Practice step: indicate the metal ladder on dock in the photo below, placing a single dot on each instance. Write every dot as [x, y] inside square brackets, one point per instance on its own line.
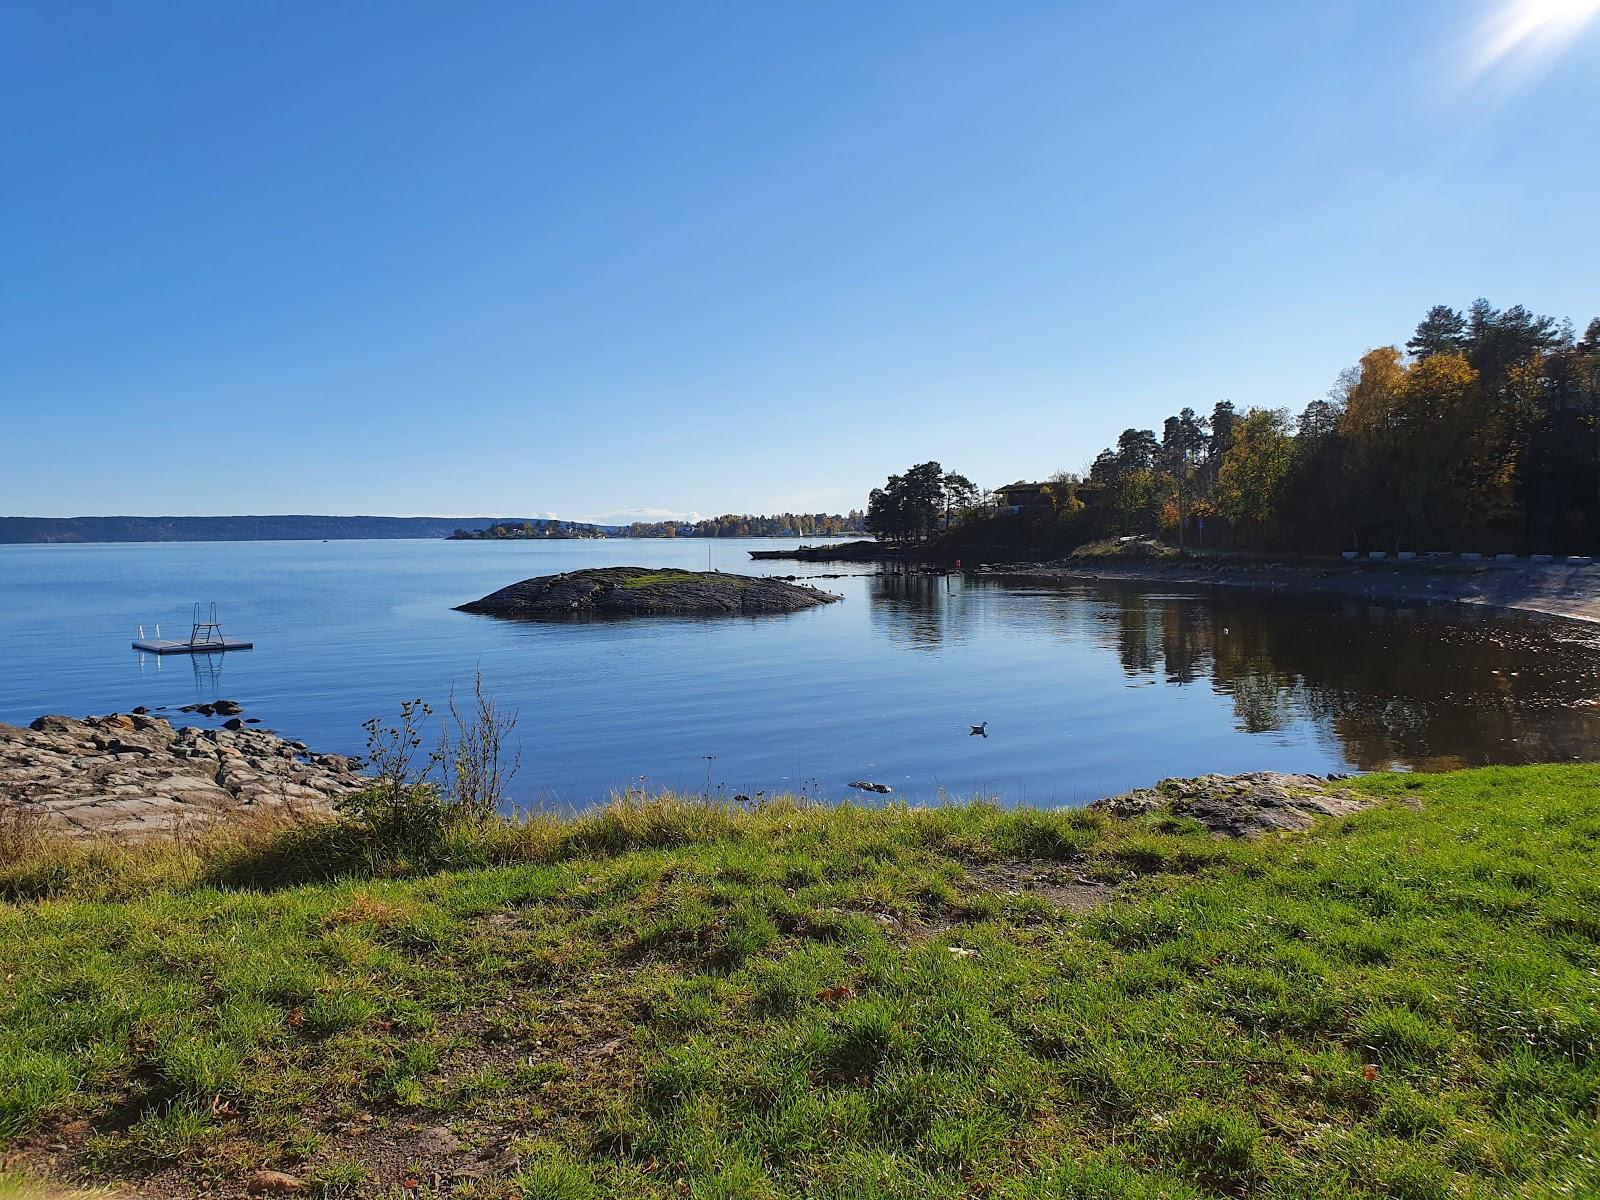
[211, 630]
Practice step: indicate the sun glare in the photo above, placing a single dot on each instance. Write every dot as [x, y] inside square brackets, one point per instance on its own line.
[1522, 36]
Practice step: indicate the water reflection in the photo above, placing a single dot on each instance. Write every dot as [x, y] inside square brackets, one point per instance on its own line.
[1086, 689]
[207, 676]
[206, 669]
[921, 612]
[1428, 688]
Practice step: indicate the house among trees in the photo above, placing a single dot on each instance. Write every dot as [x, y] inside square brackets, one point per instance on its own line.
[1022, 498]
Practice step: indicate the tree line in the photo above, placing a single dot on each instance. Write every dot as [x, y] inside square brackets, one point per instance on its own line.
[745, 525]
[727, 525]
[519, 531]
[1481, 432]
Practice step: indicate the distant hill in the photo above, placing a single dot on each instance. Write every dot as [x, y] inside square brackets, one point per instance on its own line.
[34, 530]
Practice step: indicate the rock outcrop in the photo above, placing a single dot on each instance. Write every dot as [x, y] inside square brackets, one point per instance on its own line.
[1241, 805]
[134, 775]
[647, 592]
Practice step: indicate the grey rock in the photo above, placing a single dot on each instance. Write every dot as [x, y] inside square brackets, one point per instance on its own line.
[135, 775]
[438, 1140]
[647, 591]
[1249, 805]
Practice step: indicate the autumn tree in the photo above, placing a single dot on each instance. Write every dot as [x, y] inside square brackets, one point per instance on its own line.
[1370, 422]
[1254, 469]
[1440, 428]
[1062, 492]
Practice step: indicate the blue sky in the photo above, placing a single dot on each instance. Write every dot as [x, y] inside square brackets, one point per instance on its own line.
[587, 258]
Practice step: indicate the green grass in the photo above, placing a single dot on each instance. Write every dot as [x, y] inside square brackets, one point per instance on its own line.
[660, 578]
[22, 1187]
[669, 999]
[1138, 549]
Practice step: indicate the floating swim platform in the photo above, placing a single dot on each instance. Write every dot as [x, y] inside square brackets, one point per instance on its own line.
[204, 646]
[205, 637]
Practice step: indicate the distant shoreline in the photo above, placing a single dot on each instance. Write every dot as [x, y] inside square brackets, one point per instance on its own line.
[1551, 589]
[284, 527]
[311, 527]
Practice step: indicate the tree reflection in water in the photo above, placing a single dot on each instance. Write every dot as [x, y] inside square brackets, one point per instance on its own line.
[920, 611]
[1428, 688]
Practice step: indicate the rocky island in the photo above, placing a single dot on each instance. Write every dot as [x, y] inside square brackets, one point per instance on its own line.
[647, 592]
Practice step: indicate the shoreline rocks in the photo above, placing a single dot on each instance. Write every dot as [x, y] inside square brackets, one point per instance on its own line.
[647, 592]
[1241, 806]
[1556, 590]
[133, 775]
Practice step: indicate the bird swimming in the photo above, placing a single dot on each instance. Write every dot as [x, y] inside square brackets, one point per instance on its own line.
[980, 730]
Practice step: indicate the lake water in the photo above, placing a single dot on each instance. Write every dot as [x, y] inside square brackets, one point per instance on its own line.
[1087, 689]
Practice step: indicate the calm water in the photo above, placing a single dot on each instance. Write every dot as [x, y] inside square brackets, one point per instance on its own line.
[1087, 689]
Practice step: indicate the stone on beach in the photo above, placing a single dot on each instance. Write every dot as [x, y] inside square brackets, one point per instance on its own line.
[1248, 805]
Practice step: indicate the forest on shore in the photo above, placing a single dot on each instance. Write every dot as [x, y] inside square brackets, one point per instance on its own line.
[727, 525]
[1481, 433]
[746, 525]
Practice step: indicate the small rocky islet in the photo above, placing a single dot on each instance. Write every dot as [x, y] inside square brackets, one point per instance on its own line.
[648, 592]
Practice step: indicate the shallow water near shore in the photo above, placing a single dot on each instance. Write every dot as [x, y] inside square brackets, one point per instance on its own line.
[1087, 689]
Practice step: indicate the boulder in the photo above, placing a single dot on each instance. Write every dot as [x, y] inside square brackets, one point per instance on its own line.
[1247, 805]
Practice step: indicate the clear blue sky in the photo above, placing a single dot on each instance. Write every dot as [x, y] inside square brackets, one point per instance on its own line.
[581, 258]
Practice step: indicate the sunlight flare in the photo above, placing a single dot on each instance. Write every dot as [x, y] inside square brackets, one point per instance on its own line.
[1524, 36]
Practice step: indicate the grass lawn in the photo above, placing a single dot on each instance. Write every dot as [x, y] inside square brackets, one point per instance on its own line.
[671, 1000]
